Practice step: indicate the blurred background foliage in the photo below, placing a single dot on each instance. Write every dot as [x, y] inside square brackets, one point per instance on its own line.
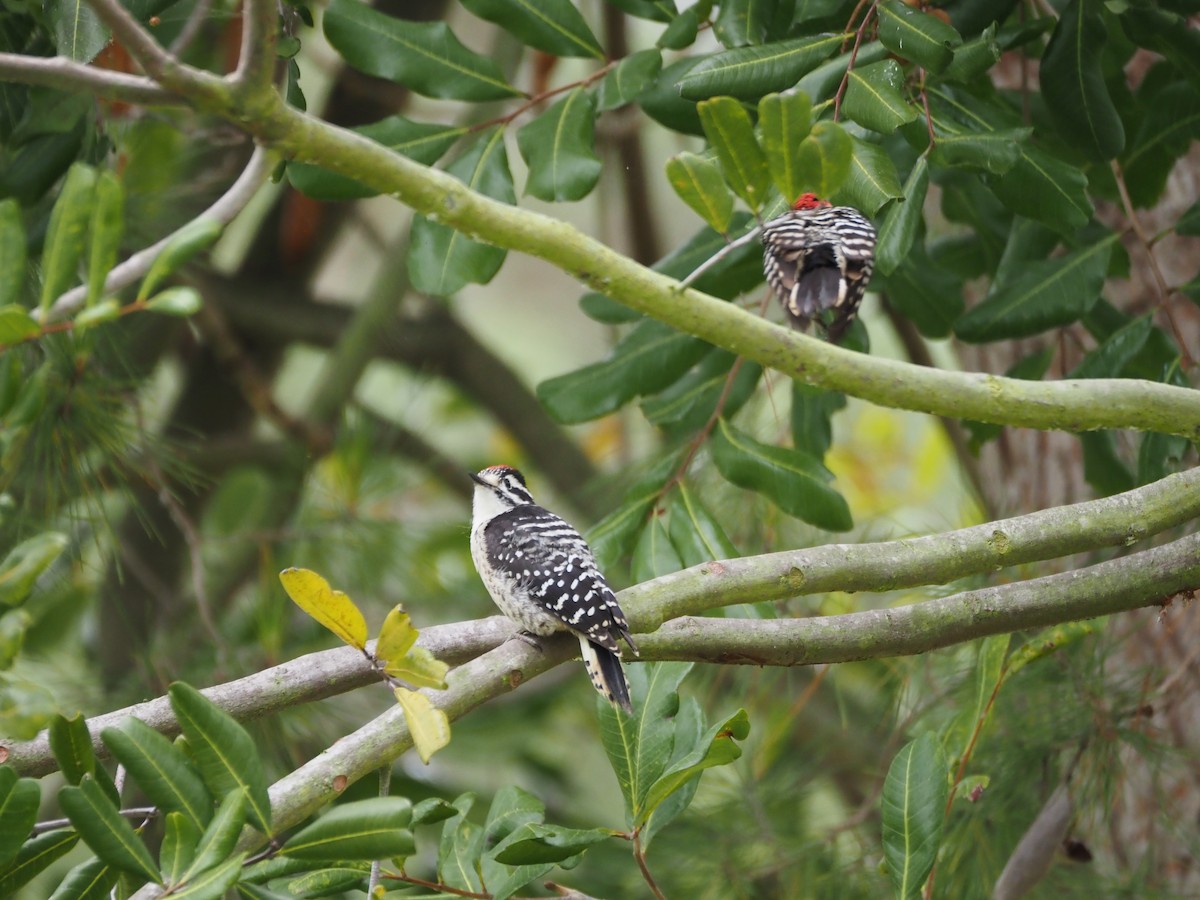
[317, 410]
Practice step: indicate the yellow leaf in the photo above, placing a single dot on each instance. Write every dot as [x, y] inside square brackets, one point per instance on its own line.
[419, 667]
[396, 636]
[331, 608]
[429, 727]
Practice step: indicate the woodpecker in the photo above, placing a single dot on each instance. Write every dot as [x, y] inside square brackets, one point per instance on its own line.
[542, 575]
[818, 257]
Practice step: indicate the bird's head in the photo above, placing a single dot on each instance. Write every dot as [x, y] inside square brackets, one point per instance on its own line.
[502, 485]
[809, 200]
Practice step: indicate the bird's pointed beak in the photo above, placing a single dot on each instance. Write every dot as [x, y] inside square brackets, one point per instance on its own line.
[475, 478]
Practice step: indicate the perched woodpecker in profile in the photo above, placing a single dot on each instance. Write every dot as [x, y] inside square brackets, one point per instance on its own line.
[819, 257]
[542, 575]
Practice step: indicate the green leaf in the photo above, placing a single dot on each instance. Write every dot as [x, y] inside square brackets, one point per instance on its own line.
[34, 856]
[688, 726]
[1165, 32]
[90, 880]
[1159, 455]
[1045, 188]
[654, 555]
[731, 135]
[928, 294]
[695, 532]
[365, 829]
[180, 837]
[554, 26]
[428, 725]
[460, 848]
[626, 81]
[682, 31]
[655, 10]
[687, 405]
[1103, 467]
[1111, 357]
[902, 223]
[19, 801]
[826, 157]
[750, 72]
[742, 22]
[662, 103]
[995, 152]
[26, 561]
[974, 57]
[639, 746]
[71, 744]
[872, 180]
[794, 481]
[875, 97]
[989, 671]
[612, 537]
[811, 419]
[1168, 130]
[917, 36]
[219, 838]
[784, 121]
[330, 882]
[66, 233]
[560, 148]
[717, 748]
[700, 185]
[105, 830]
[536, 843]
[331, 608]
[177, 301]
[423, 142]
[192, 238]
[12, 264]
[223, 751]
[1048, 294]
[823, 81]
[432, 810]
[914, 801]
[1046, 642]
[1072, 80]
[649, 358]
[443, 261]
[211, 884]
[13, 626]
[512, 809]
[104, 311]
[424, 56]
[79, 34]
[105, 229]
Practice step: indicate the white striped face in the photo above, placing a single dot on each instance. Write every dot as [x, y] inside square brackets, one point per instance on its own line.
[498, 488]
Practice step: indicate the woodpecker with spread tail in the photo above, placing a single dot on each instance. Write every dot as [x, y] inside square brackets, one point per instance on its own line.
[819, 257]
[542, 575]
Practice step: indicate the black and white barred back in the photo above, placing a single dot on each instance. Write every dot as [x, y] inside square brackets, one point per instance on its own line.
[819, 257]
[541, 574]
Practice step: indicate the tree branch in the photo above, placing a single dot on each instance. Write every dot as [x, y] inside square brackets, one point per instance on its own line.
[1076, 405]
[68, 75]
[932, 559]
[224, 210]
[256, 60]
[155, 60]
[301, 680]
[1119, 585]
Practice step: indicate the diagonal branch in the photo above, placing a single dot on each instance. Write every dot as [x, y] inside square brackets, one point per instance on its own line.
[1077, 405]
[256, 61]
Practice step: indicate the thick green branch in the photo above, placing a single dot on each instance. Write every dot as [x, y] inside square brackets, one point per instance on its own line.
[1115, 521]
[1130, 582]
[1078, 405]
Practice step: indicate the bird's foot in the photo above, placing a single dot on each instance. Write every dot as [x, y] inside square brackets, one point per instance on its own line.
[529, 638]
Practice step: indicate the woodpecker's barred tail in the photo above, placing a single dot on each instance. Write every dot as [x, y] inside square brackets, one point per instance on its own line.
[541, 573]
[819, 257]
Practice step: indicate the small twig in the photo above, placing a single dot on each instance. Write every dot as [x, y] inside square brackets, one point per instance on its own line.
[858, 37]
[437, 886]
[155, 60]
[224, 210]
[68, 75]
[721, 254]
[385, 783]
[1164, 293]
[137, 813]
[640, 855]
[531, 102]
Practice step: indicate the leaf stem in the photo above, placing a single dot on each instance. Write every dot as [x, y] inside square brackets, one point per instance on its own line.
[639, 854]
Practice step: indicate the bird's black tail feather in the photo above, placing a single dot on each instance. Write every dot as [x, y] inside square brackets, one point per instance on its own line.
[604, 668]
